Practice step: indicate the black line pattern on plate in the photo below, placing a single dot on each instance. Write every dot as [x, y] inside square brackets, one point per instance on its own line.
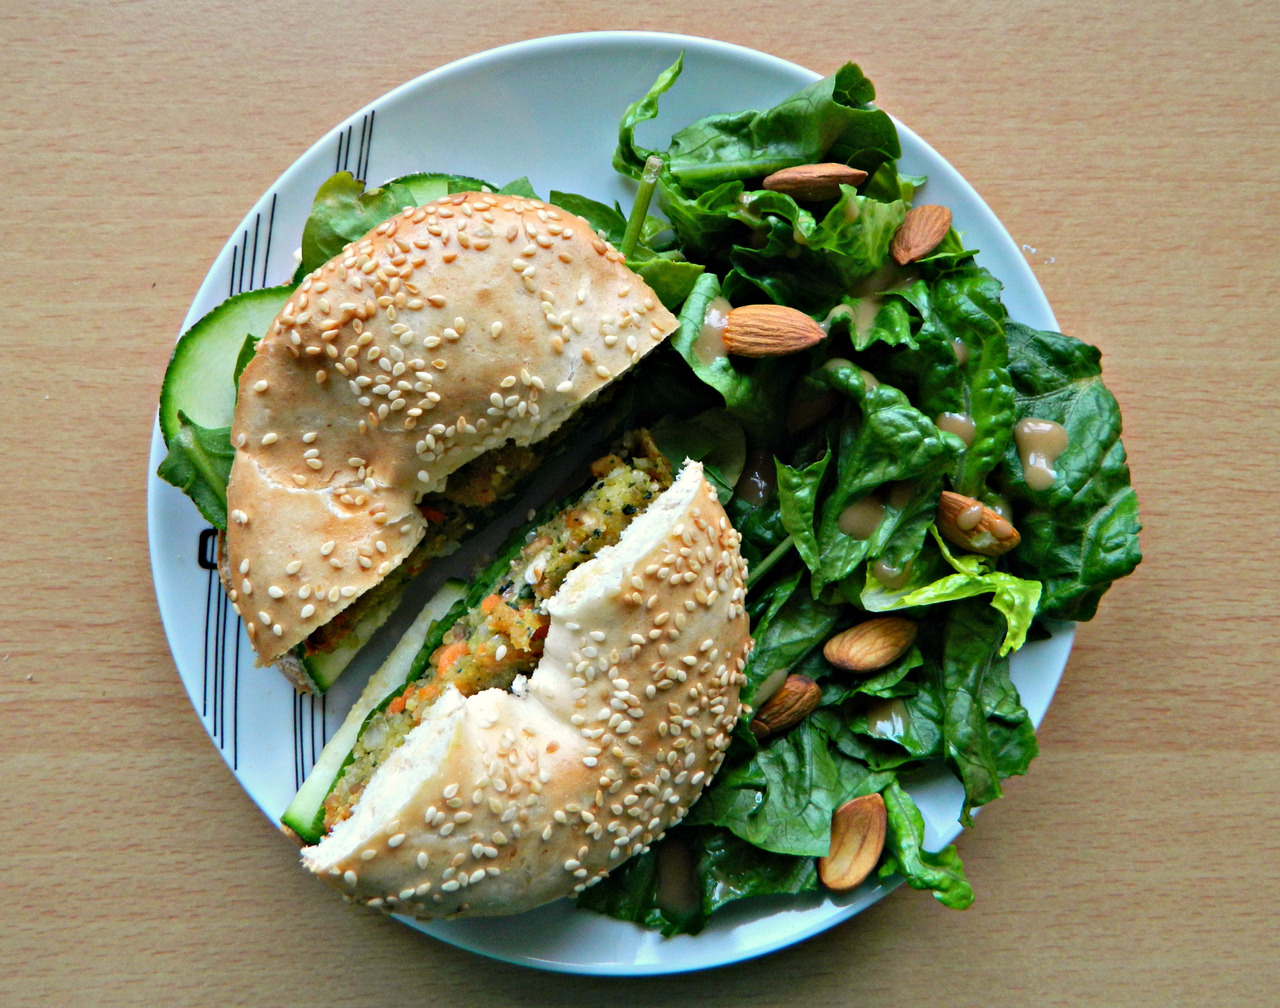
[248, 267]
[363, 141]
[220, 687]
[309, 733]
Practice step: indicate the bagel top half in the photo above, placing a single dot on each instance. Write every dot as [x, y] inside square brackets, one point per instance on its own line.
[501, 801]
[447, 331]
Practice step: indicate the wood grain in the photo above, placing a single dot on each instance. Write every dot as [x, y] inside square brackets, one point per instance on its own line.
[1129, 148]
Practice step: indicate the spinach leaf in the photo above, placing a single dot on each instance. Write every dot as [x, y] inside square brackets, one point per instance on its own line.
[199, 464]
[781, 798]
[723, 868]
[1081, 533]
[809, 264]
[987, 735]
[761, 529]
[790, 626]
[754, 392]
[1014, 597]
[829, 120]
[628, 157]
[881, 439]
[714, 438]
[957, 362]
[941, 872]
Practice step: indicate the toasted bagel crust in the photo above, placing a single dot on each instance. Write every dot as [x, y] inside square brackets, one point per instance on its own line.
[500, 802]
[446, 331]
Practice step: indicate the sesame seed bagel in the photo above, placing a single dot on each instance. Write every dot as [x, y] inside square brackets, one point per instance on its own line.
[447, 331]
[502, 801]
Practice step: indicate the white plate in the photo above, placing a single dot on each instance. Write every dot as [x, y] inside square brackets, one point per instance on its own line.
[549, 109]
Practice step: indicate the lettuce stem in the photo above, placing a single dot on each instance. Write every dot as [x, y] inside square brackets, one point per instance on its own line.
[640, 209]
[762, 568]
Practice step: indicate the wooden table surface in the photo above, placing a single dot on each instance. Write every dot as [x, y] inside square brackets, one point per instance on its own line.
[1130, 148]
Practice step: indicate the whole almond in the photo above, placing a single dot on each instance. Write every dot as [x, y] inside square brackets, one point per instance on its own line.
[814, 181]
[973, 526]
[870, 645]
[794, 700]
[857, 839]
[920, 232]
[769, 330]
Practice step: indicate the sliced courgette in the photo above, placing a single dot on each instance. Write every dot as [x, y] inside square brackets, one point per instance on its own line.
[324, 667]
[305, 814]
[200, 380]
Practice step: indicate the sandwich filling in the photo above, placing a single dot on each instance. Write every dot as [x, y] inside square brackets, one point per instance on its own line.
[491, 644]
[469, 498]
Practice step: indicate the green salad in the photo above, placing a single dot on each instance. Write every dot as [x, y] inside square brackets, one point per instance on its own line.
[831, 462]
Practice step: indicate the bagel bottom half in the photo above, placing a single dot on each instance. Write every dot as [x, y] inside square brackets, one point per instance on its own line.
[501, 801]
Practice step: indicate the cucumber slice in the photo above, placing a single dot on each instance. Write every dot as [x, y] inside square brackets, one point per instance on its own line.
[305, 814]
[324, 668]
[200, 378]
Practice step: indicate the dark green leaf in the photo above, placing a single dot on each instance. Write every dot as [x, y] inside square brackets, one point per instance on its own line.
[754, 392]
[1081, 533]
[986, 732]
[713, 438]
[344, 211]
[942, 872]
[199, 464]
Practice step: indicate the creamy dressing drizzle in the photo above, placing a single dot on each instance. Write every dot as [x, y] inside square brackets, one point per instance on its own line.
[891, 577]
[677, 889]
[969, 517]
[759, 478]
[861, 518]
[959, 424]
[841, 310]
[888, 718]
[1039, 442]
[708, 345]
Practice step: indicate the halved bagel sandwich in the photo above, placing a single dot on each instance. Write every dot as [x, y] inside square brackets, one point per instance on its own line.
[407, 386]
[557, 721]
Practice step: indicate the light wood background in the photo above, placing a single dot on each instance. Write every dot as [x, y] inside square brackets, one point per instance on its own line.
[1132, 146]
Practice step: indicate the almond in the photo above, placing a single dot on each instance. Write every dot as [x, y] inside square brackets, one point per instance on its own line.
[857, 839]
[814, 181]
[870, 645]
[973, 526]
[793, 702]
[920, 232]
[769, 330]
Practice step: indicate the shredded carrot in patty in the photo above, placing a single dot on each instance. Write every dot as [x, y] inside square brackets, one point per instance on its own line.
[448, 656]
